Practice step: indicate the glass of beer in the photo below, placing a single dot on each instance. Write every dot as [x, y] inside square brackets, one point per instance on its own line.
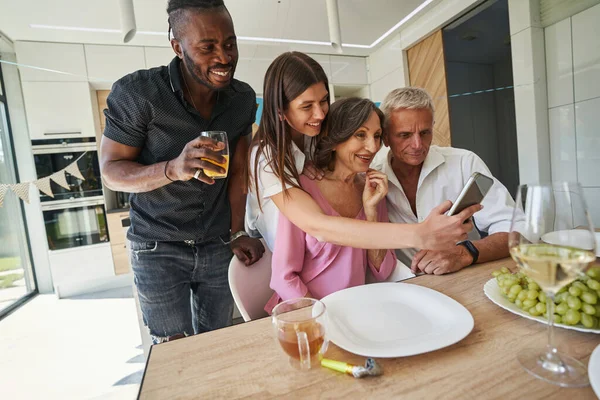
[218, 136]
[300, 331]
[552, 240]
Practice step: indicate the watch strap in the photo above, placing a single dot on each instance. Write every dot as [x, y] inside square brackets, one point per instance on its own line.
[471, 249]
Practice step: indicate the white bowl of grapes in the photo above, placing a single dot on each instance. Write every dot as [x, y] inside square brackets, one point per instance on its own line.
[577, 305]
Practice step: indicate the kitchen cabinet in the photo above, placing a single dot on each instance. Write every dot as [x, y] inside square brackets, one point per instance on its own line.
[64, 57]
[58, 109]
[81, 265]
[158, 56]
[118, 241]
[348, 70]
[107, 64]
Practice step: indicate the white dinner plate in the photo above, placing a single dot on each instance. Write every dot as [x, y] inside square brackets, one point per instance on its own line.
[573, 237]
[492, 291]
[594, 371]
[394, 320]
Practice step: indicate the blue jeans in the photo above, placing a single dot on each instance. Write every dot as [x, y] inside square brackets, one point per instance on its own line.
[183, 289]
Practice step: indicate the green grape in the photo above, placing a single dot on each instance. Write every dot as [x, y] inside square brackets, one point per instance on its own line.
[562, 290]
[581, 286]
[522, 295]
[519, 303]
[496, 273]
[533, 286]
[529, 303]
[574, 302]
[541, 308]
[505, 270]
[542, 297]
[588, 309]
[572, 317]
[562, 308]
[557, 319]
[593, 284]
[561, 297]
[575, 291]
[588, 321]
[533, 294]
[589, 297]
[515, 289]
[594, 273]
[534, 311]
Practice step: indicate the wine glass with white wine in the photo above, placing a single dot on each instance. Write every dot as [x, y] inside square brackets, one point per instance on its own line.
[552, 241]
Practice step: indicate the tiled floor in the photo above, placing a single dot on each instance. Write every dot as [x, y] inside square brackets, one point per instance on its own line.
[87, 347]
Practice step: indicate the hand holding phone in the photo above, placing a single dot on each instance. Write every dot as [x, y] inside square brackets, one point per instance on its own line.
[472, 193]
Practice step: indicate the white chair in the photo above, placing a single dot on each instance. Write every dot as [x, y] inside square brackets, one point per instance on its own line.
[250, 285]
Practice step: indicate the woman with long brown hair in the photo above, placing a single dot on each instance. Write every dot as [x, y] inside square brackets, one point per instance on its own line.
[295, 106]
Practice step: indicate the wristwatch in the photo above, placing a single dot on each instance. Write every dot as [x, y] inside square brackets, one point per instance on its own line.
[471, 249]
[237, 235]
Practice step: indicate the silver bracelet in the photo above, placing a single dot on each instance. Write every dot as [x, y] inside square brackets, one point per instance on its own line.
[237, 235]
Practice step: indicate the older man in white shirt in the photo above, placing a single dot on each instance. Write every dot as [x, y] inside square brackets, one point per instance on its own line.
[421, 176]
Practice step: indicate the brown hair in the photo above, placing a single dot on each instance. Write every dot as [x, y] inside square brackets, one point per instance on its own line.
[288, 76]
[346, 116]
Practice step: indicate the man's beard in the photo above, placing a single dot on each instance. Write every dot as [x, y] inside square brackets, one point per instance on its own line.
[196, 73]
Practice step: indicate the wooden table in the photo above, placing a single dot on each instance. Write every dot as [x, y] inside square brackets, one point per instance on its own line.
[245, 360]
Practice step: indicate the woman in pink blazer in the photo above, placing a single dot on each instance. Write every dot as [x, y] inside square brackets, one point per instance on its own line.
[303, 265]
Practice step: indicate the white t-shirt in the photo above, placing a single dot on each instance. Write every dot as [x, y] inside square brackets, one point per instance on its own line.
[445, 171]
[265, 222]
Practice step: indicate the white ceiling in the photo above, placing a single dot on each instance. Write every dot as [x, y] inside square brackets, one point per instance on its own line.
[362, 21]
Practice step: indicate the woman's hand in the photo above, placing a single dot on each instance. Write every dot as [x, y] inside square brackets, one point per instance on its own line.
[376, 188]
[312, 172]
[440, 232]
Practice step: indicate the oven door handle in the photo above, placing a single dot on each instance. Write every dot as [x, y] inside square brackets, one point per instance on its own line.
[75, 203]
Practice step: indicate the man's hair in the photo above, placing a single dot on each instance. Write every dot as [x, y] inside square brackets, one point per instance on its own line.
[410, 98]
[177, 11]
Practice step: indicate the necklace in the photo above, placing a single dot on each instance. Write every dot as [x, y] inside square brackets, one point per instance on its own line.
[187, 88]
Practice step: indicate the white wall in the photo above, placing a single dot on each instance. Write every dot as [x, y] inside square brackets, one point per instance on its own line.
[387, 69]
[573, 67]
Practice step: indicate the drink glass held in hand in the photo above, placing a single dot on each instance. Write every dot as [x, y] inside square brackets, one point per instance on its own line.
[300, 326]
[552, 241]
[218, 136]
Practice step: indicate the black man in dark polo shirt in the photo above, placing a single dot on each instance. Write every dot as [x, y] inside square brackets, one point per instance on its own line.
[184, 225]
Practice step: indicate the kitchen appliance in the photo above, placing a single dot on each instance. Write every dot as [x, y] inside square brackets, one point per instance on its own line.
[75, 223]
[74, 217]
[52, 155]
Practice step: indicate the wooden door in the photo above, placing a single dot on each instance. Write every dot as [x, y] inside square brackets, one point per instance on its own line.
[427, 70]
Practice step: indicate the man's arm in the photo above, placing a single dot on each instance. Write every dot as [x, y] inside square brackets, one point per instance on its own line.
[490, 248]
[120, 172]
[248, 250]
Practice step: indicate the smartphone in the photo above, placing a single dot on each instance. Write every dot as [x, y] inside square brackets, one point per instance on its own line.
[472, 193]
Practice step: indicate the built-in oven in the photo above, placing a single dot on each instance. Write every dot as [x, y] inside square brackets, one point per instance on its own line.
[53, 155]
[76, 216]
[75, 223]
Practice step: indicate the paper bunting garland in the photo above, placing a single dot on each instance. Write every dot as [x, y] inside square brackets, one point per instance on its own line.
[60, 179]
[73, 169]
[43, 184]
[22, 190]
[3, 189]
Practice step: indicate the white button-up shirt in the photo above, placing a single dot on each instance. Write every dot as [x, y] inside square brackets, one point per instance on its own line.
[445, 172]
[265, 222]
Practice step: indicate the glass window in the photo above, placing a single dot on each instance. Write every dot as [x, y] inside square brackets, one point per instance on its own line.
[16, 273]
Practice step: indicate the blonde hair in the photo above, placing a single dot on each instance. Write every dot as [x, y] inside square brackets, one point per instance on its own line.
[409, 98]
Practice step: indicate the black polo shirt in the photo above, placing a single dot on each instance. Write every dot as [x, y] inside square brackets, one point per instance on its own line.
[146, 109]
